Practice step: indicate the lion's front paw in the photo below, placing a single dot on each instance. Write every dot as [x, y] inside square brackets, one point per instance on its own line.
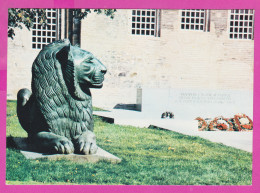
[86, 143]
[63, 145]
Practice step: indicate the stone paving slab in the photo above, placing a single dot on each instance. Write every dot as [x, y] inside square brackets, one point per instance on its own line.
[101, 154]
[239, 140]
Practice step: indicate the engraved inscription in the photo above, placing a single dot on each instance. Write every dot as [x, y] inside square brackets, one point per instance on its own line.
[208, 98]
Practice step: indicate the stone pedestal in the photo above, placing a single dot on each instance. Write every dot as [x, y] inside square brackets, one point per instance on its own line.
[28, 152]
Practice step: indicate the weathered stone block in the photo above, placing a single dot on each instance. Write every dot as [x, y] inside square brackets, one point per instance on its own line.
[28, 151]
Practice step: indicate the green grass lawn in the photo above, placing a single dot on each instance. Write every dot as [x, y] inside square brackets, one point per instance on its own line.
[149, 157]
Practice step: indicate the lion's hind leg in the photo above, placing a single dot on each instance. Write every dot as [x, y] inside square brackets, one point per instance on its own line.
[23, 96]
[24, 107]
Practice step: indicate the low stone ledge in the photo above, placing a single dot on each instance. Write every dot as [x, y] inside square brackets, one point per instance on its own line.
[101, 154]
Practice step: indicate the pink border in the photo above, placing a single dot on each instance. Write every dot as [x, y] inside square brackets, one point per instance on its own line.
[162, 4]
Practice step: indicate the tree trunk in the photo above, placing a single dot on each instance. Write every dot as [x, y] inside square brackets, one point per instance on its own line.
[73, 26]
[70, 24]
[76, 29]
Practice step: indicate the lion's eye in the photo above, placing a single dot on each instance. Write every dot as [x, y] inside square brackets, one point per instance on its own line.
[89, 60]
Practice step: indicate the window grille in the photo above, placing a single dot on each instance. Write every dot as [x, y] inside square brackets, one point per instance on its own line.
[241, 24]
[145, 22]
[193, 19]
[43, 35]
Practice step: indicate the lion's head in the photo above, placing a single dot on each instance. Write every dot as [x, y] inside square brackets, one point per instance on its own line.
[61, 77]
[81, 68]
[89, 70]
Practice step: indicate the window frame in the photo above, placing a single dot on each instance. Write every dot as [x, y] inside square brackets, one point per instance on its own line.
[43, 35]
[243, 27]
[192, 26]
[145, 23]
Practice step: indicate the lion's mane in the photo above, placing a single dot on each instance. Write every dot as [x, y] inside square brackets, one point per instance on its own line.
[66, 109]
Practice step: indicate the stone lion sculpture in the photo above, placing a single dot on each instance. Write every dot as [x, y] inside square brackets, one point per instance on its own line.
[57, 114]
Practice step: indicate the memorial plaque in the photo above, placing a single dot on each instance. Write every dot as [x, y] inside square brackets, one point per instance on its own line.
[191, 103]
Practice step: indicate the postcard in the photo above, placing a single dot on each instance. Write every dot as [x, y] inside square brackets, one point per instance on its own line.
[129, 96]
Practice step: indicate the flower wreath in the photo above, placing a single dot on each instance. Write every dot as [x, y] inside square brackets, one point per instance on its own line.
[167, 114]
[243, 122]
[220, 123]
[202, 124]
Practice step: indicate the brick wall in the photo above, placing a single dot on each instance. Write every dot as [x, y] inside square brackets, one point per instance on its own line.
[177, 59]
[19, 62]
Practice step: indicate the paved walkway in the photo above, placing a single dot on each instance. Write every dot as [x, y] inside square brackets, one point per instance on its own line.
[239, 140]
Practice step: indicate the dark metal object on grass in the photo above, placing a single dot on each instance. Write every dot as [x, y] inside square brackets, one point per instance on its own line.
[57, 114]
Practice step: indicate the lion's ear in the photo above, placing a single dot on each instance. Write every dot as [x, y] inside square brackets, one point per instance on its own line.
[66, 60]
[64, 54]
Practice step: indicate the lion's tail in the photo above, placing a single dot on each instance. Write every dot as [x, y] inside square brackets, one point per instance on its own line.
[23, 108]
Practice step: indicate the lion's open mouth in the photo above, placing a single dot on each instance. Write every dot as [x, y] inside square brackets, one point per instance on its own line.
[92, 85]
[97, 80]
[96, 85]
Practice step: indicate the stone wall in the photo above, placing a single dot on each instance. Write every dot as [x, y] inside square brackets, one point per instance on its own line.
[176, 59]
[19, 62]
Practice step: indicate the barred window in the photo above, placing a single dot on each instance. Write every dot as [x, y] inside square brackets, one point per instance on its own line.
[241, 24]
[193, 19]
[145, 22]
[43, 35]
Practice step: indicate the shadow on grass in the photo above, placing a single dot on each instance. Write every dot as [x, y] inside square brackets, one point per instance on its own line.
[104, 119]
[22, 144]
[157, 128]
[10, 142]
[19, 143]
